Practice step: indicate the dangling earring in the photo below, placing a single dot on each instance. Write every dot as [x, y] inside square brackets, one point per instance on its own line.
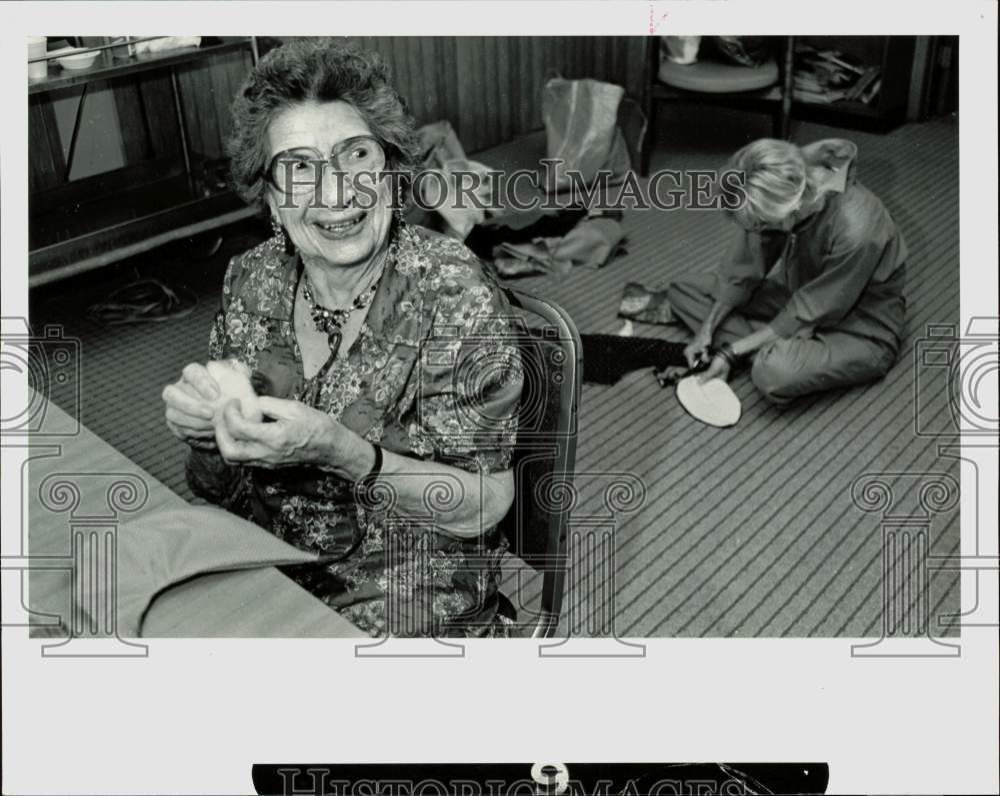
[282, 235]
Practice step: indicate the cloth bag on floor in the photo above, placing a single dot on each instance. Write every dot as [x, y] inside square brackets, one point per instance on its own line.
[581, 130]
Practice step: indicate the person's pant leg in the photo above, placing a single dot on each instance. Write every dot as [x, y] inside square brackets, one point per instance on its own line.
[691, 299]
[797, 366]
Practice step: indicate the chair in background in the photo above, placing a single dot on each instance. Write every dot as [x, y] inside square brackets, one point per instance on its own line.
[767, 87]
[545, 452]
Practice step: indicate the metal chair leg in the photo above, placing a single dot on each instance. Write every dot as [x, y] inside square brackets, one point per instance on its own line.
[784, 114]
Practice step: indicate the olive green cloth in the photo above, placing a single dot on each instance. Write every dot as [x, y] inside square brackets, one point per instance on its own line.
[164, 548]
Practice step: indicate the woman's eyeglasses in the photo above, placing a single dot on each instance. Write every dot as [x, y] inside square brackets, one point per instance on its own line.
[299, 171]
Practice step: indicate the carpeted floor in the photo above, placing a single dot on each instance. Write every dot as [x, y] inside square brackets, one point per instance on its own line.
[749, 531]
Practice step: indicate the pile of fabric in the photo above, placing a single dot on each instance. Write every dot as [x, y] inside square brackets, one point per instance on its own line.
[591, 241]
[583, 137]
[443, 154]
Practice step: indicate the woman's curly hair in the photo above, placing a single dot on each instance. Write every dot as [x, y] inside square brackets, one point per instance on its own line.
[317, 70]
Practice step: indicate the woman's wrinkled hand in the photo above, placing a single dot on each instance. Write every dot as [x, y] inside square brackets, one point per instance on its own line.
[291, 434]
[190, 403]
[718, 368]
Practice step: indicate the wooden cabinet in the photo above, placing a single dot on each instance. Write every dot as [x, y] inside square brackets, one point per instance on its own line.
[894, 55]
[902, 65]
[166, 126]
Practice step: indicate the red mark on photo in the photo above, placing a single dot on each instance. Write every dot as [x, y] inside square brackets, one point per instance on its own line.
[653, 22]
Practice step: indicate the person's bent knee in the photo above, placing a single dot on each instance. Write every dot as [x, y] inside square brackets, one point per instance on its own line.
[772, 378]
[697, 286]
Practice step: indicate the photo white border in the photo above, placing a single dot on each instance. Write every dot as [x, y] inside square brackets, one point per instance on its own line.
[193, 716]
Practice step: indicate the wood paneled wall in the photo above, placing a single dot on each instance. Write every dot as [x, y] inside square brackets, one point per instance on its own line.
[490, 88]
[208, 89]
[46, 163]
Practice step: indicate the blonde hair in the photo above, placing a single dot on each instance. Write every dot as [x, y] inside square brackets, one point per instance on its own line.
[775, 181]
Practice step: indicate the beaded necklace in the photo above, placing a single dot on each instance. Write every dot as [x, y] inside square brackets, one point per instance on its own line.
[331, 321]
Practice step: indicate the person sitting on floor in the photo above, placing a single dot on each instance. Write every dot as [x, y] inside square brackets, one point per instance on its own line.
[812, 291]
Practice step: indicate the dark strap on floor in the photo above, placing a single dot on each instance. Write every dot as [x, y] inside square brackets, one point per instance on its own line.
[608, 357]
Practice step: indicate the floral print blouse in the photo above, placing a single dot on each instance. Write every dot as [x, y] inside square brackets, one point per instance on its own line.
[434, 375]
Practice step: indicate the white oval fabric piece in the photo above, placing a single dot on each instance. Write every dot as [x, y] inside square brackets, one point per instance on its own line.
[233, 378]
[712, 402]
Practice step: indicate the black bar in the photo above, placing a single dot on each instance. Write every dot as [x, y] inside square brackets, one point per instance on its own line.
[526, 779]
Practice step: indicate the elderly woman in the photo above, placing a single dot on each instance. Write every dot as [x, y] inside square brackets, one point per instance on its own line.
[382, 351]
[812, 291]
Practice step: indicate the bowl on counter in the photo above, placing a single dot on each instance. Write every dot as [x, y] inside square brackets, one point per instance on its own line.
[76, 58]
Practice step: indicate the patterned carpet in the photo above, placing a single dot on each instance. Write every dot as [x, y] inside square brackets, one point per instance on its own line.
[748, 531]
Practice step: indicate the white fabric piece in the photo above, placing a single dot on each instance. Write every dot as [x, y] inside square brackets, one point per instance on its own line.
[233, 378]
[166, 43]
[681, 49]
[713, 402]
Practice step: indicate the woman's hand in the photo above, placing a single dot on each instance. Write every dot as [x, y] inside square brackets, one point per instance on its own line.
[718, 368]
[296, 435]
[696, 352]
[190, 405]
